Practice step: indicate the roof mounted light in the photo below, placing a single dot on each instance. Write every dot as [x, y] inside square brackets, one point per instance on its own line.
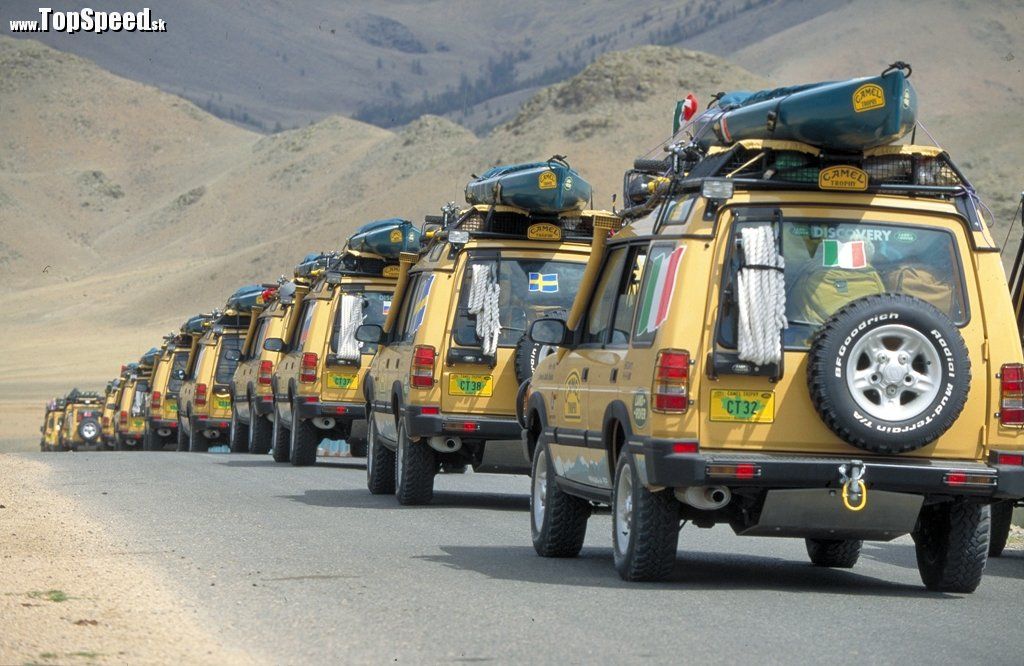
[719, 189]
[458, 236]
[333, 278]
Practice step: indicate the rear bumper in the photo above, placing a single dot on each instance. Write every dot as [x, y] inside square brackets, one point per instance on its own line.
[765, 470]
[263, 404]
[339, 411]
[471, 426]
[212, 423]
[163, 423]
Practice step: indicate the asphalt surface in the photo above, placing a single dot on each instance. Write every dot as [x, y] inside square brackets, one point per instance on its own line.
[303, 565]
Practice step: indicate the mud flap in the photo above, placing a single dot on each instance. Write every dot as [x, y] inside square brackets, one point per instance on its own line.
[819, 513]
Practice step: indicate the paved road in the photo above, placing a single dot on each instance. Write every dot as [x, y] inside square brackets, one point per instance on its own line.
[304, 566]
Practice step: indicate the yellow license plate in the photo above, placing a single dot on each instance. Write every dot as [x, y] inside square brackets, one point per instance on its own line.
[223, 403]
[475, 385]
[340, 381]
[743, 406]
[172, 406]
[138, 423]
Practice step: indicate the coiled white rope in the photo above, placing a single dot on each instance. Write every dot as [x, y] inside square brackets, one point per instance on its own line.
[484, 296]
[349, 319]
[762, 298]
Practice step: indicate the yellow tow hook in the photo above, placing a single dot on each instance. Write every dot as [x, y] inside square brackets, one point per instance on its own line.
[855, 493]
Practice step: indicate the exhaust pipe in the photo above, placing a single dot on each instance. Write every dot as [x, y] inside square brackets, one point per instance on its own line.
[706, 498]
[324, 422]
[164, 432]
[445, 444]
[210, 433]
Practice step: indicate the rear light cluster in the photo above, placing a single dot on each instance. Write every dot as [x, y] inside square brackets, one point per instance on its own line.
[421, 373]
[1010, 459]
[958, 478]
[106, 421]
[155, 400]
[200, 394]
[1011, 394]
[266, 369]
[736, 471]
[124, 418]
[671, 389]
[461, 426]
[307, 374]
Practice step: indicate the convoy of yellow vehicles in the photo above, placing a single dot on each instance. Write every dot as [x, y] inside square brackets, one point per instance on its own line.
[793, 334]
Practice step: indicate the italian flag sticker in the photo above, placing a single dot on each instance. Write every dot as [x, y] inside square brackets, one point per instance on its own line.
[658, 293]
[844, 255]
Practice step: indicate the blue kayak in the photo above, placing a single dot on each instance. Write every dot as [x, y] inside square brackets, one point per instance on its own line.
[195, 325]
[245, 298]
[852, 115]
[149, 358]
[385, 238]
[539, 187]
[312, 262]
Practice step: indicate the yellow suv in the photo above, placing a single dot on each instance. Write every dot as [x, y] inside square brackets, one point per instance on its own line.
[52, 423]
[134, 404]
[80, 427]
[441, 390]
[204, 400]
[251, 396]
[793, 343]
[111, 402]
[162, 414]
[317, 383]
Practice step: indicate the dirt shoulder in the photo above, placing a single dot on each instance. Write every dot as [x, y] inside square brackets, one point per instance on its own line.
[69, 594]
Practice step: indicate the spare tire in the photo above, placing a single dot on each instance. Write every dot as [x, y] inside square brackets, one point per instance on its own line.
[889, 373]
[528, 354]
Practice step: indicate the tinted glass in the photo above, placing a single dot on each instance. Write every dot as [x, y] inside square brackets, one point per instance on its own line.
[602, 304]
[177, 364]
[376, 305]
[225, 366]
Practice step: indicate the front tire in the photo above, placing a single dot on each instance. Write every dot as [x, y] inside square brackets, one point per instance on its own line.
[304, 439]
[835, 553]
[952, 541]
[184, 441]
[261, 432]
[279, 438]
[238, 435]
[380, 462]
[1002, 516]
[645, 526]
[558, 520]
[415, 468]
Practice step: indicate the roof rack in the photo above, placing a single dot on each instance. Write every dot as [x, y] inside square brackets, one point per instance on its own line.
[508, 222]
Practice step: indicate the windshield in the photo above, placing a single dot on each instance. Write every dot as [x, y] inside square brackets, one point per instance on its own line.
[226, 366]
[529, 289]
[177, 365]
[831, 264]
[376, 305]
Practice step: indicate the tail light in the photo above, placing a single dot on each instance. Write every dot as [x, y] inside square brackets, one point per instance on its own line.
[1011, 394]
[154, 400]
[200, 395]
[78, 416]
[308, 372]
[266, 369]
[124, 418]
[106, 421]
[671, 388]
[421, 374]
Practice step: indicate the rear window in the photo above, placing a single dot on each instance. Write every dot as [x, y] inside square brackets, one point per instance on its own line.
[226, 366]
[529, 289]
[376, 305]
[177, 364]
[831, 264]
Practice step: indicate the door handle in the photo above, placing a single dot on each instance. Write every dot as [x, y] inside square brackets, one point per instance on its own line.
[614, 375]
[585, 374]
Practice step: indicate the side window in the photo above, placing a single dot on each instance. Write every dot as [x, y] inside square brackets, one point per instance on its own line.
[402, 322]
[200, 353]
[660, 269]
[256, 346]
[602, 305]
[629, 296]
[415, 306]
[302, 330]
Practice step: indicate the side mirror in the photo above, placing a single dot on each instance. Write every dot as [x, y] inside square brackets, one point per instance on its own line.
[370, 333]
[549, 332]
[273, 344]
[232, 354]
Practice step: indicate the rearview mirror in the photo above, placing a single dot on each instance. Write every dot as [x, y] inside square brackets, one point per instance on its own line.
[232, 354]
[369, 333]
[273, 344]
[549, 332]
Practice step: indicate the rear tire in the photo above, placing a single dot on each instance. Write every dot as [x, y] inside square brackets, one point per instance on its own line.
[279, 437]
[199, 443]
[120, 444]
[645, 526]
[415, 467]
[150, 441]
[238, 435]
[558, 520]
[184, 441]
[952, 541]
[1002, 516]
[835, 553]
[261, 432]
[380, 463]
[304, 439]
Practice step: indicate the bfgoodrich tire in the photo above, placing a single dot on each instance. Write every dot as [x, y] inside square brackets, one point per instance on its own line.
[1002, 516]
[380, 463]
[238, 435]
[261, 432]
[304, 439]
[645, 526]
[415, 467]
[280, 438]
[183, 439]
[889, 373]
[558, 521]
[951, 541]
[836, 553]
[199, 443]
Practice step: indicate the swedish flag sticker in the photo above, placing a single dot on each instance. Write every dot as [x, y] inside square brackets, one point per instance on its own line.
[546, 283]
